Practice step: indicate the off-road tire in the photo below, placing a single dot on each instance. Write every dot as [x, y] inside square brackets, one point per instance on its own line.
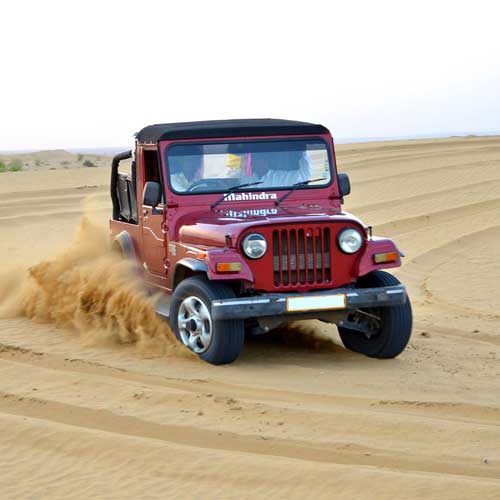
[395, 330]
[227, 335]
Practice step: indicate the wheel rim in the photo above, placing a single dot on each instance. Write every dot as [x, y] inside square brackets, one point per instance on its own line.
[195, 324]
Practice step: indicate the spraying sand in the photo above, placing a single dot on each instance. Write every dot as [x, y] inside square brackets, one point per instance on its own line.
[89, 289]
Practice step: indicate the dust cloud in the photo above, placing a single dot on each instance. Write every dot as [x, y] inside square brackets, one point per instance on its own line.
[88, 288]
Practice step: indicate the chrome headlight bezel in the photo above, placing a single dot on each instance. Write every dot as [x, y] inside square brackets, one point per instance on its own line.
[259, 243]
[354, 236]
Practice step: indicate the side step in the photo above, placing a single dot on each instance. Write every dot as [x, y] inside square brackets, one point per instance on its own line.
[163, 306]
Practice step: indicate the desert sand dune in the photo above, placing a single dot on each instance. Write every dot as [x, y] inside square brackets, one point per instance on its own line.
[89, 414]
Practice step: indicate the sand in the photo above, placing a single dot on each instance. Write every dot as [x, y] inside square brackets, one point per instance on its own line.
[116, 415]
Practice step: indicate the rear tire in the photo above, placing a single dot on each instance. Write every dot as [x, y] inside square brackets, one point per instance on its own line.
[396, 323]
[215, 341]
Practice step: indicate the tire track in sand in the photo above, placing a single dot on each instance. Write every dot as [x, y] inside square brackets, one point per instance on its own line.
[345, 453]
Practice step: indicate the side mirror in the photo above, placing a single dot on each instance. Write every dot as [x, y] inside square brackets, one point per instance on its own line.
[344, 184]
[151, 196]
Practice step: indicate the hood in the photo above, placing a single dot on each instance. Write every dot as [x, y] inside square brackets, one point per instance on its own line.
[214, 228]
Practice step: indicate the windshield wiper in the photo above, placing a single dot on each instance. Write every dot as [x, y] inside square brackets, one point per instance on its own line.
[233, 189]
[296, 186]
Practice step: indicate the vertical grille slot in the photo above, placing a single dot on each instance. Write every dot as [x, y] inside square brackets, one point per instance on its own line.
[326, 252]
[276, 259]
[285, 258]
[301, 256]
[293, 256]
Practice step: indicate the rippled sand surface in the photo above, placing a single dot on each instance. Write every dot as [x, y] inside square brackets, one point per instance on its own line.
[295, 417]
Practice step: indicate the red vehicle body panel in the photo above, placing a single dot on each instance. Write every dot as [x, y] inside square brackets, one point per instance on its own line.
[188, 227]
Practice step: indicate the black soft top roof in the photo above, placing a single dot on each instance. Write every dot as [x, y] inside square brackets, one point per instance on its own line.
[226, 128]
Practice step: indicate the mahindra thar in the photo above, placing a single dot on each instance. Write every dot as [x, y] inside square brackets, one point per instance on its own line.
[239, 224]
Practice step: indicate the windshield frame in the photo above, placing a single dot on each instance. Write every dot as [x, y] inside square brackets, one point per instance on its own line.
[200, 142]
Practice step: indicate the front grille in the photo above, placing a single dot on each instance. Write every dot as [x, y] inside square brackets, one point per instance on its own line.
[301, 256]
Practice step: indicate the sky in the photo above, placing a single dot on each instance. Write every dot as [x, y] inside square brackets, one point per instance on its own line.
[91, 73]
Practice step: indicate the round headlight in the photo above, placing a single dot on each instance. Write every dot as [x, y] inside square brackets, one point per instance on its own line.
[350, 240]
[254, 245]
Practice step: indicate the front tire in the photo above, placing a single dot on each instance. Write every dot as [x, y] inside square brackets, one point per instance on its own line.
[216, 341]
[394, 331]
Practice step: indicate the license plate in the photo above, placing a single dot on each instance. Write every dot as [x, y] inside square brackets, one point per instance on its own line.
[316, 303]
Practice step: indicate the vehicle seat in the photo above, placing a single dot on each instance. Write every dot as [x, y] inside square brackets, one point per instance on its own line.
[123, 188]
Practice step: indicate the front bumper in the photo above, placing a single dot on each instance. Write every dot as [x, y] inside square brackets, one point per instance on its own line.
[340, 299]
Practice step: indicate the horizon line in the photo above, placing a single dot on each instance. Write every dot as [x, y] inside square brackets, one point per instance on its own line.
[337, 140]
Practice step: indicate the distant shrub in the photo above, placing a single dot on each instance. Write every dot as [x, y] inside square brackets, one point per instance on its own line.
[15, 166]
[65, 162]
[79, 157]
[38, 162]
[3, 167]
[88, 163]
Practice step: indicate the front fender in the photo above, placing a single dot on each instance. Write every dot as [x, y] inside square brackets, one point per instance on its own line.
[187, 263]
[377, 245]
[195, 265]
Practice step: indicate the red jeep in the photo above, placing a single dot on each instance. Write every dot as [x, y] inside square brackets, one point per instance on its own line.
[239, 223]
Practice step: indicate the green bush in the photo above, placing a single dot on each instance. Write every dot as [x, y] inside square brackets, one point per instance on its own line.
[3, 167]
[15, 166]
[88, 163]
[79, 157]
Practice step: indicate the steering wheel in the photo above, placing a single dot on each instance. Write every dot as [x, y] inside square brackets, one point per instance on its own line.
[199, 184]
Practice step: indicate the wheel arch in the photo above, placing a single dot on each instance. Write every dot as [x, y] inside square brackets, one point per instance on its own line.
[187, 268]
[124, 244]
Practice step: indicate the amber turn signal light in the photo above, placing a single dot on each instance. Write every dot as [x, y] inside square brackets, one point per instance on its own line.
[380, 258]
[228, 267]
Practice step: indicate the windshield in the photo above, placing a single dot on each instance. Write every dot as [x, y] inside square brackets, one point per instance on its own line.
[217, 167]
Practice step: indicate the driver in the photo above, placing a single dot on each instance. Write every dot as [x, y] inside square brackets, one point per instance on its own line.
[186, 169]
[281, 169]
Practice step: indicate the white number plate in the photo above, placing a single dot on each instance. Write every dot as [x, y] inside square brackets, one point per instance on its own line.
[316, 303]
